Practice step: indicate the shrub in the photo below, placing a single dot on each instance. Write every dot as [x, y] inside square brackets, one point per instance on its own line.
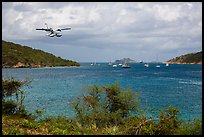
[8, 107]
[169, 122]
[190, 128]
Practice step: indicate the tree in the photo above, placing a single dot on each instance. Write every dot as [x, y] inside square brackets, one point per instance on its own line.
[105, 106]
[12, 87]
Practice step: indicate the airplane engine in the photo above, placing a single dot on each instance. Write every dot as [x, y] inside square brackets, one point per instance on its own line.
[58, 35]
[51, 35]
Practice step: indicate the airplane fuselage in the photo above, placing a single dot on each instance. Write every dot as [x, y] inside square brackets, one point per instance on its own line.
[53, 32]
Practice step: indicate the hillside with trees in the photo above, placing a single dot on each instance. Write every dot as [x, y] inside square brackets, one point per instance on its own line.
[15, 55]
[191, 58]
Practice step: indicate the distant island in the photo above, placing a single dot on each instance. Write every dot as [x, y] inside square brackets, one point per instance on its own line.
[18, 56]
[191, 58]
[128, 60]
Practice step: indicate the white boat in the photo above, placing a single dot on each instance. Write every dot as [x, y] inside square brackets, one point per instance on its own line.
[120, 64]
[114, 66]
[125, 65]
[146, 65]
[167, 64]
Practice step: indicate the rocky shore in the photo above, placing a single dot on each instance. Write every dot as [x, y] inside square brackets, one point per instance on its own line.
[183, 62]
[26, 65]
[191, 58]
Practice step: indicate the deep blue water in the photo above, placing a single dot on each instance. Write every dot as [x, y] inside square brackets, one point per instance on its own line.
[52, 89]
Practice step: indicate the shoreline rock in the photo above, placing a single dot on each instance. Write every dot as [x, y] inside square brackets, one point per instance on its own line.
[28, 65]
[183, 62]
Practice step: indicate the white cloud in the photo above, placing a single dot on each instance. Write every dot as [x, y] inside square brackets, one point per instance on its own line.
[134, 27]
[167, 12]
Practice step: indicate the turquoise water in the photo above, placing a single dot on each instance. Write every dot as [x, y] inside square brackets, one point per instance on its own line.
[52, 89]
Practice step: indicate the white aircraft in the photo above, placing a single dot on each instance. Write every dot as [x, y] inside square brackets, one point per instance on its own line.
[53, 32]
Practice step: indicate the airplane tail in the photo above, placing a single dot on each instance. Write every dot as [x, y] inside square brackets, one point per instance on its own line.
[46, 25]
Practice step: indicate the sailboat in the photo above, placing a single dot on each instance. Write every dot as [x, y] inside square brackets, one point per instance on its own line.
[157, 66]
[110, 63]
[167, 64]
[93, 64]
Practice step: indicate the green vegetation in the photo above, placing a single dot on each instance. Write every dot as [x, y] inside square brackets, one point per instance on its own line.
[194, 58]
[106, 110]
[12, 87]
[15, 55]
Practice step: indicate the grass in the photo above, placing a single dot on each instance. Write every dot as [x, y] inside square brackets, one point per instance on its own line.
[15, 125]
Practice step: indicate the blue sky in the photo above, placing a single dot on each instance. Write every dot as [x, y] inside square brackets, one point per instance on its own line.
[103, 31]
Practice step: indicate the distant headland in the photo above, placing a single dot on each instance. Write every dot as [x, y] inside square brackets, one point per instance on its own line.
[18, 56]
[128, 60]
[191, 58]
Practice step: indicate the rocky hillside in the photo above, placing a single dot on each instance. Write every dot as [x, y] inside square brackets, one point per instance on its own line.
[192, 58]
[15, 55]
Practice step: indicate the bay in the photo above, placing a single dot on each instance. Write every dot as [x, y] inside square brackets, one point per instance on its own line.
[52, 89]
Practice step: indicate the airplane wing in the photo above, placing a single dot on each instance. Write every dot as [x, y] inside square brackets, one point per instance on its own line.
[63, 29]
[44, 29]
[40, 29]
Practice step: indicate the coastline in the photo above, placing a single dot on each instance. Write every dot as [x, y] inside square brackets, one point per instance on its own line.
[182, 63]
[42, 67]
[28, 65]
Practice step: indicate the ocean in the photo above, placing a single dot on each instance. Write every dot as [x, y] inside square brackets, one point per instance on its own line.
[52, 89]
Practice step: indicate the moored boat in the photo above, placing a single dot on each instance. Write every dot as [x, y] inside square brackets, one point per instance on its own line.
[146, 65]
[125, 66]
